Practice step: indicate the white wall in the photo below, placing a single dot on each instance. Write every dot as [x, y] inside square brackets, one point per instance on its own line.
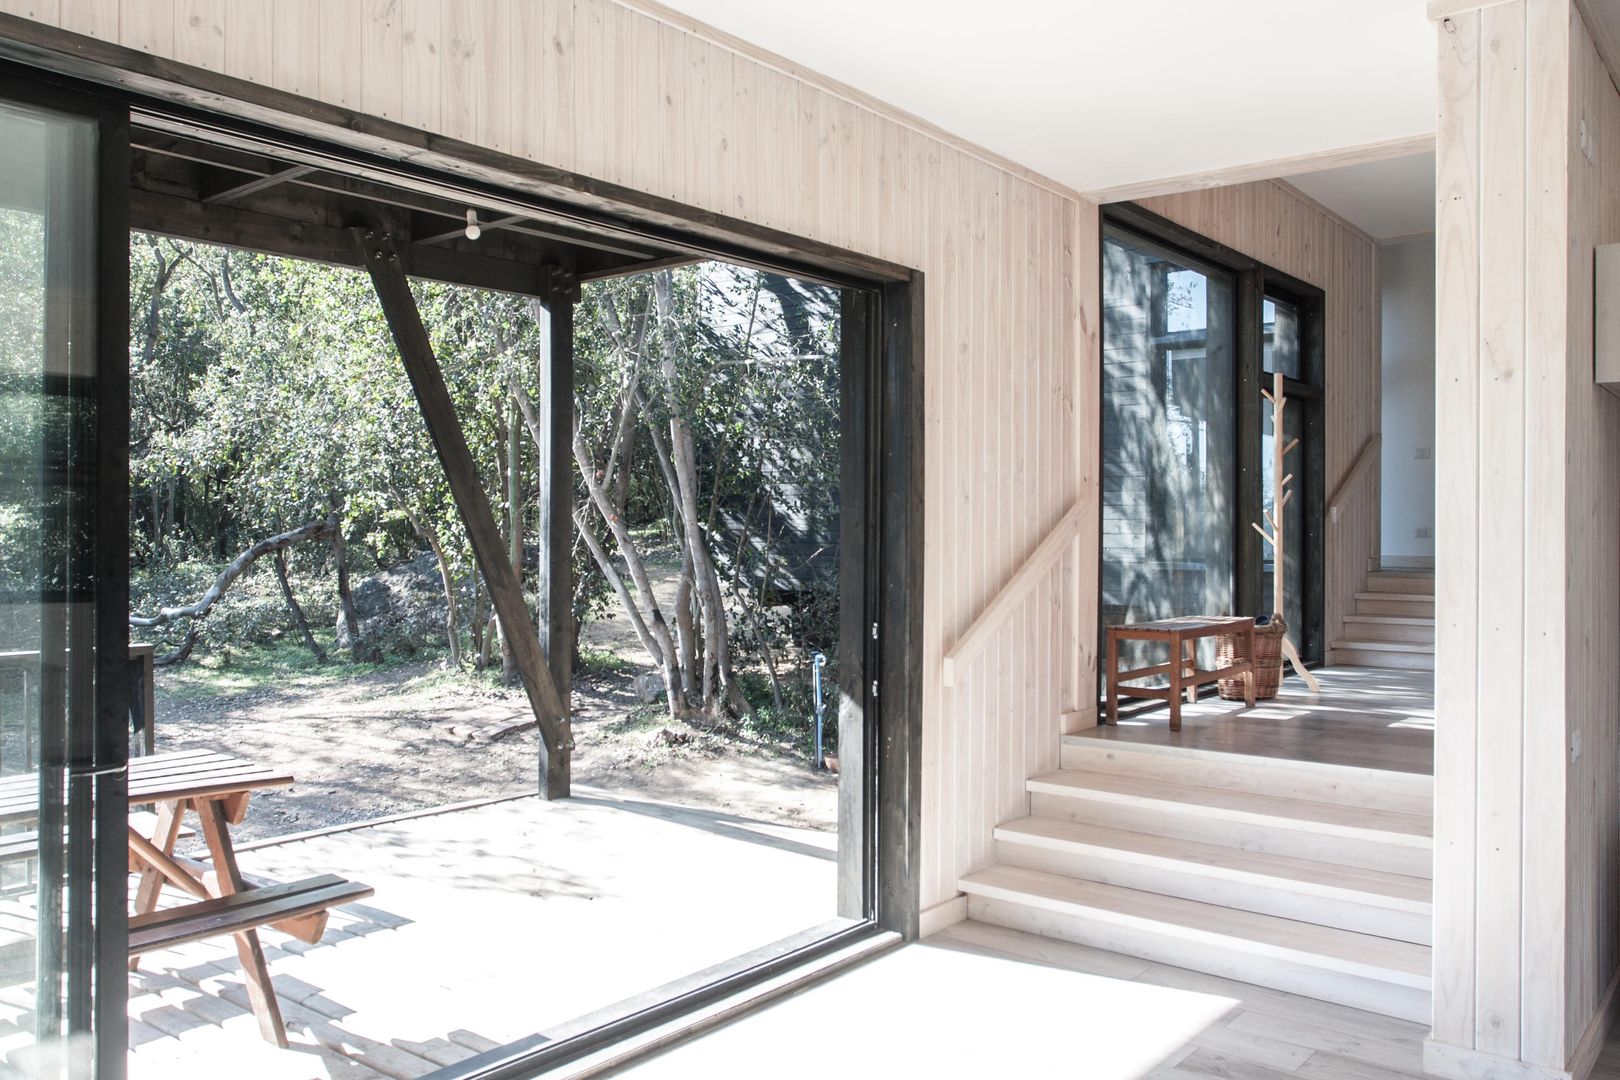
[1406, 274]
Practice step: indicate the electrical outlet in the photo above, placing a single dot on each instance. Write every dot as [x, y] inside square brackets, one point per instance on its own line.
[1421, 453]
[1424, 532]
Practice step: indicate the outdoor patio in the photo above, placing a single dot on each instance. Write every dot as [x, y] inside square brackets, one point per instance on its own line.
[490, 923]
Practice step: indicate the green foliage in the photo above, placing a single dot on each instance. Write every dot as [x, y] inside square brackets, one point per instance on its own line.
[267, 392]
[236, 669]
[603, 664]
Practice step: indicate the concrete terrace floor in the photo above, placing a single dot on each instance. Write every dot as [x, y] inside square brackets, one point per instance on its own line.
[489, 924]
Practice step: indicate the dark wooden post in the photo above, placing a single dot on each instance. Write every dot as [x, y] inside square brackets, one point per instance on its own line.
[388, 275]
[555, 586]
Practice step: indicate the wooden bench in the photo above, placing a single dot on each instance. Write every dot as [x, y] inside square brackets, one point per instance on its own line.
[304, 904]
[1181, 635]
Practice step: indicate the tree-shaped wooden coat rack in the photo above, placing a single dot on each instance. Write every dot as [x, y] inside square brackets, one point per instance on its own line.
[1281, 492]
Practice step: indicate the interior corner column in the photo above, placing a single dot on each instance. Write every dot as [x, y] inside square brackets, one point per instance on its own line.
[1500, 991]
[555, 616]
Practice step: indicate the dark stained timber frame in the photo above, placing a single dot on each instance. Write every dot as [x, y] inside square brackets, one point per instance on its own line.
[83, 804]
[880, 657]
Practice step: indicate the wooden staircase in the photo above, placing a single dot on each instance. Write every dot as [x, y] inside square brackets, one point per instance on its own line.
[1308, 878]
[1393, 622]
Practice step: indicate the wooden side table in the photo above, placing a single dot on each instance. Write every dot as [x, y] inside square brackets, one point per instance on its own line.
[1182, 635]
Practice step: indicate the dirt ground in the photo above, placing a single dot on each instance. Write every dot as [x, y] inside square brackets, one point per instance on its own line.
[409, 738]
[400, 740]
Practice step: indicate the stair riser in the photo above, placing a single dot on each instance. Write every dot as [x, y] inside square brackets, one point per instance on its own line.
[1400, 583]
[1266, 896]
[1379, 658]
[1405, 633]
[1408, 609]
[1405, 792]
[1231, 962]
[1304, 843]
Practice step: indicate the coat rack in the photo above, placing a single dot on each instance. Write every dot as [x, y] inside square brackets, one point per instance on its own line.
[1281, 492]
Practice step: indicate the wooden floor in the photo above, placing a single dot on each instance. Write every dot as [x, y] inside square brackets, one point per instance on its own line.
[1364, 717]
[488, 924]
[979, 1001]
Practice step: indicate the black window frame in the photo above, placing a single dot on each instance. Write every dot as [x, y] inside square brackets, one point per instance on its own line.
[1255, 282]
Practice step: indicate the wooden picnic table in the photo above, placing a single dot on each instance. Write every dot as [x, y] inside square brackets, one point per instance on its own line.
[217, 788]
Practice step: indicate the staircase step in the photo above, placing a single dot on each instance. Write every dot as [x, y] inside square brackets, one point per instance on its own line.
[1366, 901]
[1397, 628]
[1415, 605]
[1358, 970]
[1401, 581]
[1371, 838]
[1384, 654]
[1286, 778]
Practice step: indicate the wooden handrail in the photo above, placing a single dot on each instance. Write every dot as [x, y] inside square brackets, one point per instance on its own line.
[1018, 586]
[1369, 450]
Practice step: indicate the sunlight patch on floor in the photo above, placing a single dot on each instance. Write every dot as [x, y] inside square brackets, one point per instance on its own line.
[932, 1011]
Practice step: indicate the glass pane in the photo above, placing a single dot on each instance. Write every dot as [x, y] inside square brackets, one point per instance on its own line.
[1169, 438]
[1280, 329]
[47, 227]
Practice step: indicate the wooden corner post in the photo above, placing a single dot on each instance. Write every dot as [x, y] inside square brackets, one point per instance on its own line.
[555, 615]
[383, 260]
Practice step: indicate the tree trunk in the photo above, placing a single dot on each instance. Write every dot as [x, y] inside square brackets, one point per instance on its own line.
[430, 537]
[300, 623]
[716, 646]
[348, 618]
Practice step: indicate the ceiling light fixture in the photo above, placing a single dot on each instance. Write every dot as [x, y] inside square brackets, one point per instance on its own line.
[473, 231]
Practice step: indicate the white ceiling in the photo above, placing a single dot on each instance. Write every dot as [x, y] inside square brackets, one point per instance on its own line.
[1386, 199]
[1102, 93]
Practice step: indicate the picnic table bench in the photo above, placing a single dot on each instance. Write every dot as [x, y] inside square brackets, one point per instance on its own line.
[217, 788]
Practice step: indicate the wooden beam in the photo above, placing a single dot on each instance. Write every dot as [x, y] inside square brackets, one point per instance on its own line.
[382, 259]
[260, 183]
[234, 226]
[555, 586]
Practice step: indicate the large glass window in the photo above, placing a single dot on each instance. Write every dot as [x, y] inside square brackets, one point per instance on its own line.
[1169, 436]
[1193, 344]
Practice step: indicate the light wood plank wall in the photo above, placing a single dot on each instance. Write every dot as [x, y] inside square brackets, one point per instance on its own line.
[1275, 224]
[1528, 531]
[634, 95]
[1592, 581]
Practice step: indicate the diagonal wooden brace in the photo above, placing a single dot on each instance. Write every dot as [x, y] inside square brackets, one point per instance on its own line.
[385, 263]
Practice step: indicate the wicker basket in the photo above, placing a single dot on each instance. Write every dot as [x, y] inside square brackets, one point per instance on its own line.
[1268, 664]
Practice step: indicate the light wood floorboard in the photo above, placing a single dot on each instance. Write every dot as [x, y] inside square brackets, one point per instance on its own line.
[977, 1000]
[1365, 717]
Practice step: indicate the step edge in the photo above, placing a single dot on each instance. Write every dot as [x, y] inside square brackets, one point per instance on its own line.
[1320, 960]
[1228, 757]
[1390, 620]
[1424, 647]
[1370, 898]
[1350, 832]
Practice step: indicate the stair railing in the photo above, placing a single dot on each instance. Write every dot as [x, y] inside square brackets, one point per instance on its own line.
[1019, 586]
[1341, 494]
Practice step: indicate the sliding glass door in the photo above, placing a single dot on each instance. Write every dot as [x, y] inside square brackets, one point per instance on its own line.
[63, 714]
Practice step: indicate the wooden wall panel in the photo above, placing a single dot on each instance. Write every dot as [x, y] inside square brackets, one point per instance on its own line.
[1528, 589]
[1592, 571]
[634, 94]
[1277, 225]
